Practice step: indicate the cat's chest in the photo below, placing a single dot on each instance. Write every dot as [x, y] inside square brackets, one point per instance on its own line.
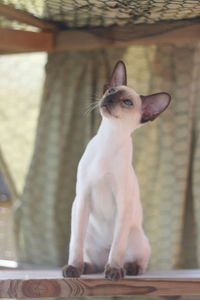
[99, 168]
[103, 203]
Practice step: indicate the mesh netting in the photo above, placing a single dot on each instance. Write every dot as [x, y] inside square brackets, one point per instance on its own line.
[103, 13]
[4, 22]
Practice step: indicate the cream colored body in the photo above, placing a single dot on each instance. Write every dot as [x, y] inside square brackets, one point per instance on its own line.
[107, 213]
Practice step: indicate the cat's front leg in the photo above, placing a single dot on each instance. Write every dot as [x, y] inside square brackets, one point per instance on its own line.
[114, 269]
[79, 222]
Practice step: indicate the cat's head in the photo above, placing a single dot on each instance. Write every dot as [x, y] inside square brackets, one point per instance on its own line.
[122, 104]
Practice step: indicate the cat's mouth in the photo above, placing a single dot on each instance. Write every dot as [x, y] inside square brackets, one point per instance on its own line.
[105, 108]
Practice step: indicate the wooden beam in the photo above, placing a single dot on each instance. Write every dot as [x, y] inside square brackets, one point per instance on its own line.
[12, 13]
[141, 34]
[50, 283]
[15, 41]
[23, 41]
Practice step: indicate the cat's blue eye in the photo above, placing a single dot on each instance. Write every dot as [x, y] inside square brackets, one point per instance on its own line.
[128, 102]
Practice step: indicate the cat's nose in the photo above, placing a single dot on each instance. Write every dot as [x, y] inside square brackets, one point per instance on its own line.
[111, 95]
[109, 99]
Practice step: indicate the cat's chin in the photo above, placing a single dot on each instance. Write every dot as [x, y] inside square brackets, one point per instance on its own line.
[105, 111]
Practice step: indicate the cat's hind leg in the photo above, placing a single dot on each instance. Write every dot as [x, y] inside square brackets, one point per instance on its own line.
[138, 252]
[95, 260]
[90, 268]
[95, 256]
[131, 268]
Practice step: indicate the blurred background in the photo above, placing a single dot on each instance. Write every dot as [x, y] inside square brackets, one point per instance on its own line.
[45, 128]
[22, 78]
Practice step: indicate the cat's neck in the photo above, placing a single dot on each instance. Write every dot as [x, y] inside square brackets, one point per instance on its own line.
[114, 133]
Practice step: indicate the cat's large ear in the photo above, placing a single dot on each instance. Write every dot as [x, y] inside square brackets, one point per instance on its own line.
[118, 76]
[154, 105]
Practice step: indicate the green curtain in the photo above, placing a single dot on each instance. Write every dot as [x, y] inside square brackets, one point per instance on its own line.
[166, 153]
[167, 160]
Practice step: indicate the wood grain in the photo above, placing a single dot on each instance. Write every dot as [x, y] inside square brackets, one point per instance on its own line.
[12, 13]
[12, 41]
[141, 34]
[50, 283]
[20, 41]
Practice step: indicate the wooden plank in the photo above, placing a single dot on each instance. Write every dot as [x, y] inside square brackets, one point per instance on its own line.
[50, 283]
[141, 34]
[12, 13]
[12, 41]
[22, 41]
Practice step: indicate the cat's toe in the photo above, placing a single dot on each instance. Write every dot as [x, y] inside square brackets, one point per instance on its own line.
[114, 274]
[71, 271]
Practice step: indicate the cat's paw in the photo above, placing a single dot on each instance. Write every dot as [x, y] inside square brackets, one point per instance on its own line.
[132, 268]
[114, 274]
[71, 271]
